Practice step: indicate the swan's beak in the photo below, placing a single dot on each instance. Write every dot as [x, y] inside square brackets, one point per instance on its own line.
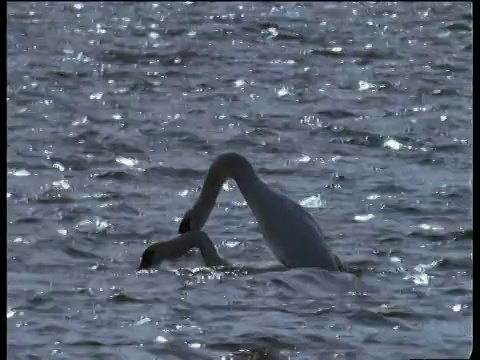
[147, 259]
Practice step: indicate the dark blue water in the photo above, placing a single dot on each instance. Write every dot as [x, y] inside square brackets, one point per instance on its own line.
[361, 112]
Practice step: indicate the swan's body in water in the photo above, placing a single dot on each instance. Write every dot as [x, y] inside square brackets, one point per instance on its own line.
[178, 246]
[291, 233]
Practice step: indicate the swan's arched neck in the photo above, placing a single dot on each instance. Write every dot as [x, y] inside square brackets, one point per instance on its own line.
[227, 166]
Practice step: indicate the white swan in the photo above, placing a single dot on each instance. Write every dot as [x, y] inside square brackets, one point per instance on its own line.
[178, 246]
[291, 233]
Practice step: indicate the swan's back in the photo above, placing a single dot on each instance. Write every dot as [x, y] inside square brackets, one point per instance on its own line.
[293, 235]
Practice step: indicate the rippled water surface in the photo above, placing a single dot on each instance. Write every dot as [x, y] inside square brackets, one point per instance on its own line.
[361, 112]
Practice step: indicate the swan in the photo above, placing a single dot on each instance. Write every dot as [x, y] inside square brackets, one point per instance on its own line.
[178, 246]
[291, 233]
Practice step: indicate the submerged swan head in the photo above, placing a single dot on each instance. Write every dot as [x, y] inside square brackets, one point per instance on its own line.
[176, 247]
[156, 253]
[148, 259]
[225, 166]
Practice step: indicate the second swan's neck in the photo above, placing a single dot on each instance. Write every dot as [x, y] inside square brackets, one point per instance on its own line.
[228, 166]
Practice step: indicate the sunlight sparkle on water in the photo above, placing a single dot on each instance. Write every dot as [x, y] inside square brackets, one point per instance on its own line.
[160, 339]
[63, 184]
[314, 201]
[363, 218]
[10, 312]
[393, 144]
[126, 161]
[430, 227]
[239, 83]
[96, 96]
[283, 92]
[304, 158]
[421, 279]
[364, 85]
[142, 321]
[22, 172]
[183, 193]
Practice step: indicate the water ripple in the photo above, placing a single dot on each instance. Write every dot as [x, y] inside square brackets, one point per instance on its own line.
[360, 112]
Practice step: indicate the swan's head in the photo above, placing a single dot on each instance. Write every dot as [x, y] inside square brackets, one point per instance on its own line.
[149, 259]
[174, 248]
[157, 252]
[193, 220]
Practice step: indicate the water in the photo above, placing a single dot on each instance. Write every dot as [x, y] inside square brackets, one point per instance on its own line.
[361, 112]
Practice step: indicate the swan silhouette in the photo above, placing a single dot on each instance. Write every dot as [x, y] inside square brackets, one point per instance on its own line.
[291, 233]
